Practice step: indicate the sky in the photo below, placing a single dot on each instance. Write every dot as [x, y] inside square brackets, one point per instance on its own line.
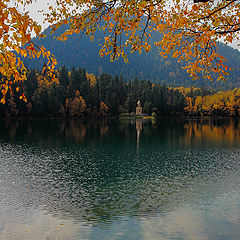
[40, 5]
[35, 8]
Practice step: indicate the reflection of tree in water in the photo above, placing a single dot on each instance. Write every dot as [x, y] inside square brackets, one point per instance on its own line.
[104, 127]
[75, 129]
[212, 131]
[168, 132]
[12, 128]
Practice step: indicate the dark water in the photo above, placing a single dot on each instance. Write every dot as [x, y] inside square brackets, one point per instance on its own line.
[120, 180]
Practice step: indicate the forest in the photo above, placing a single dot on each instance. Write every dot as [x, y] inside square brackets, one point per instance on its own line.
[79, 51]
[78, 94]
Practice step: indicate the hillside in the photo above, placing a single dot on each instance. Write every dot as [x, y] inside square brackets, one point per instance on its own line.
[78, 51]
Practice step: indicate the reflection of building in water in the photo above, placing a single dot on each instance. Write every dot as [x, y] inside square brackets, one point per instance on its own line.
[139, 126]
[139, 109]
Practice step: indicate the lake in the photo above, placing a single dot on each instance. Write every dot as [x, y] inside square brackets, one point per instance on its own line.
[172, 179]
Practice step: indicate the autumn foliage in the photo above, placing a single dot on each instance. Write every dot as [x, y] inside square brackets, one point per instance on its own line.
[78, 106]
[188, 30]
[16, 30]
[223, 103]
[77, 94]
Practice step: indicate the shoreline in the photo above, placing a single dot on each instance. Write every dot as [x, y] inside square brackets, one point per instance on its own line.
[180, 117]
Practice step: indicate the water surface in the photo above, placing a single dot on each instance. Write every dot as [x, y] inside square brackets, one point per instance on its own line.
[120, 180]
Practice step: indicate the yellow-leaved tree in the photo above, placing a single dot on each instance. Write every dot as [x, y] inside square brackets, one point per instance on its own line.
[188, 30]
[16, 30]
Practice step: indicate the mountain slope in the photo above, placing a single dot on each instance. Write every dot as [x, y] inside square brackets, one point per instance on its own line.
[78, 51]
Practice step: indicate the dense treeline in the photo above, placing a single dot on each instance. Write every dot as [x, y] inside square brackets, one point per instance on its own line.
[214, 104]
[79, 94]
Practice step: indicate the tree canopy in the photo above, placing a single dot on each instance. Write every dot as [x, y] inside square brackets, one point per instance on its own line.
[16, 31]
[188, 30]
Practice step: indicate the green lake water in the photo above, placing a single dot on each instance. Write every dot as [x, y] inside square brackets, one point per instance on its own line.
[123, 180]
